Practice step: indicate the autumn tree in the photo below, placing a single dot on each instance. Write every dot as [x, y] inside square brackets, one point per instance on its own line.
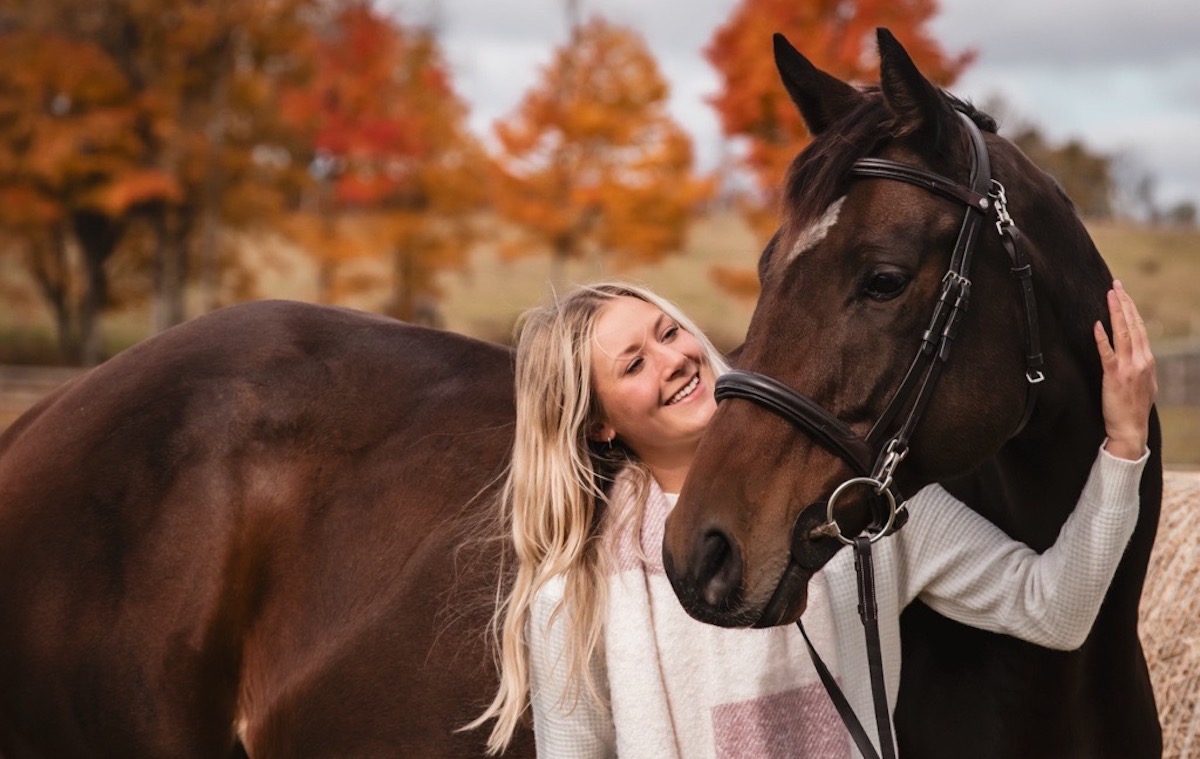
[1084, 174]
[838, 36]
[393, 166]
[72, 173]
[590, 162]
[206, 74]
[201, 141]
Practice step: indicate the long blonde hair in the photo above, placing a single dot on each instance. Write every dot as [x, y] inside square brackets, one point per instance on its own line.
[555, 494]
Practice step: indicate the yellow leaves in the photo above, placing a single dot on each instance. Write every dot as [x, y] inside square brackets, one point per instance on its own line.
[394, 153]
[337, 239]
[72, 131]
[590, 161]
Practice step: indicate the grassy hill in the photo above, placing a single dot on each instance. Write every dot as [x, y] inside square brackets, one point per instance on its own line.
[1160, 266]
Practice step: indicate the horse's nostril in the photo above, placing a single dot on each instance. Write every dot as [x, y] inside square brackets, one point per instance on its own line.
[719, 569]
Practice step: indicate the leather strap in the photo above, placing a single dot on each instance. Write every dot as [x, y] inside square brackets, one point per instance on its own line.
[868, 612]
[882, 168]
[857, 732]
[831, 432]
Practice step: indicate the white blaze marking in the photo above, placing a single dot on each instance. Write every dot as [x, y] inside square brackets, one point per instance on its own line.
[239, 727]
[815, 233]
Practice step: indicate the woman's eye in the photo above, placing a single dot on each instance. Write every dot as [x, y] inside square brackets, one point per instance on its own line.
[670, 332]
[885, 285]
[634, 365]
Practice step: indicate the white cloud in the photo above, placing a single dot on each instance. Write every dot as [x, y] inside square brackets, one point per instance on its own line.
[1122, 76]
[1072, 33]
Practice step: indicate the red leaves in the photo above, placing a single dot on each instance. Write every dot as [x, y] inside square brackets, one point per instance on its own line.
[395, 170]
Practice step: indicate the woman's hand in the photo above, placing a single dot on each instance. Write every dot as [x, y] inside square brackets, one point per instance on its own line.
[1130, 384]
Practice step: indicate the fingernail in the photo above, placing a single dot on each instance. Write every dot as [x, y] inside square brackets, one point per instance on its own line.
[1117, 285]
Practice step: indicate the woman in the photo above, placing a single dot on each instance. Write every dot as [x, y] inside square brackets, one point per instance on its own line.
[614, 388]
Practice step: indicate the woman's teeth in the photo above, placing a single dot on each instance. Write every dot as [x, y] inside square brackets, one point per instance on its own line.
[685, 391]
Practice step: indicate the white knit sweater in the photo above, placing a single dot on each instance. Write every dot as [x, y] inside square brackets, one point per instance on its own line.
[681, 689]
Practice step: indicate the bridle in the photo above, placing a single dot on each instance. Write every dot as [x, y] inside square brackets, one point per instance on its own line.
[873, 459]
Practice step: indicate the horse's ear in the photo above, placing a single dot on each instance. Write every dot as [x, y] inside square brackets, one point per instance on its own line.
[918, 106]
[821, 98]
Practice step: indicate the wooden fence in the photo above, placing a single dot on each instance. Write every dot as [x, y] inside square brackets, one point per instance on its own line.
[23, 386]
[1178, 373]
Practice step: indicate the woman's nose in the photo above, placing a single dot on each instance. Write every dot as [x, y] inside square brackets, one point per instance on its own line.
[674, 362]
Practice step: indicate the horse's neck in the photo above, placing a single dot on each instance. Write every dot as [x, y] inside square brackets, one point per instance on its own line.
[1032, 484]
[1030, 487]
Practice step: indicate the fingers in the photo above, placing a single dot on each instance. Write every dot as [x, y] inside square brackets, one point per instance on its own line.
[1122, 344]
[1140, 341]
[1107, 357]
[1131, 355]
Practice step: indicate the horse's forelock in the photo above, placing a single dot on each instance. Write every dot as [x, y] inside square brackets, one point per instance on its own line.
[821, 173]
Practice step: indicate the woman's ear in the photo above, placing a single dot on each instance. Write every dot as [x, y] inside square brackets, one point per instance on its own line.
[602, 432]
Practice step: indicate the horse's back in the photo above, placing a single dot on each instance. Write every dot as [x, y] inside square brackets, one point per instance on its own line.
[251, 526]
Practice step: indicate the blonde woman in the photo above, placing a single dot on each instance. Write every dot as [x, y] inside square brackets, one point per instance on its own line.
[614, 388]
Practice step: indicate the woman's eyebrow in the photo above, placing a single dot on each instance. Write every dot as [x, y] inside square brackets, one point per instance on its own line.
[635, 347]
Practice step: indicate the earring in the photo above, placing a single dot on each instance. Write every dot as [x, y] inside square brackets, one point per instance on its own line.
[609, 441]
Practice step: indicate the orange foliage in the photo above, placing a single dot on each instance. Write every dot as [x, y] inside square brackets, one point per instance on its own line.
[71, 166]
[590, 162]
[738, 282]
[838, 36]
[68, 132]
[392, 148]
[151, 126]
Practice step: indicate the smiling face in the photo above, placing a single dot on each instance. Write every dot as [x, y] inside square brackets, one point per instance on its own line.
[653, 381]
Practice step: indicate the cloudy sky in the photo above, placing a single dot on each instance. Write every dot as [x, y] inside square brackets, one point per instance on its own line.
[1123, 76]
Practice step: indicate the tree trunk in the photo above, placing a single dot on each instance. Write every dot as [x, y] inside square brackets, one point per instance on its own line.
[170, 266]
[326, 275]
[98, 236]
[403, 295]
[69, 346]
[214, 180]
[51, 269]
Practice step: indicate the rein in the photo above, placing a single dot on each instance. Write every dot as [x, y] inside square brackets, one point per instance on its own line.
[873, 460]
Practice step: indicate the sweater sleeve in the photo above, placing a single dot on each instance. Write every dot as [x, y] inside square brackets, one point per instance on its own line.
[967, 569]
[567, 723]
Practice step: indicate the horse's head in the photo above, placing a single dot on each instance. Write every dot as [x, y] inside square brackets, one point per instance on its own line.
[850, 284]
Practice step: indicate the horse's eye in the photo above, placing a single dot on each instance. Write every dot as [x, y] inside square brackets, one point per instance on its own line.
[885, 285]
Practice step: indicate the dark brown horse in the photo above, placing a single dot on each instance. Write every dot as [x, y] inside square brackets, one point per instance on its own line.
[252, 535]
[846, 295]
[258, 534]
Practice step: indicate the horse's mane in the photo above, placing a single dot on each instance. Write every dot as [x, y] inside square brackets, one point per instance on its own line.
[820, 174]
